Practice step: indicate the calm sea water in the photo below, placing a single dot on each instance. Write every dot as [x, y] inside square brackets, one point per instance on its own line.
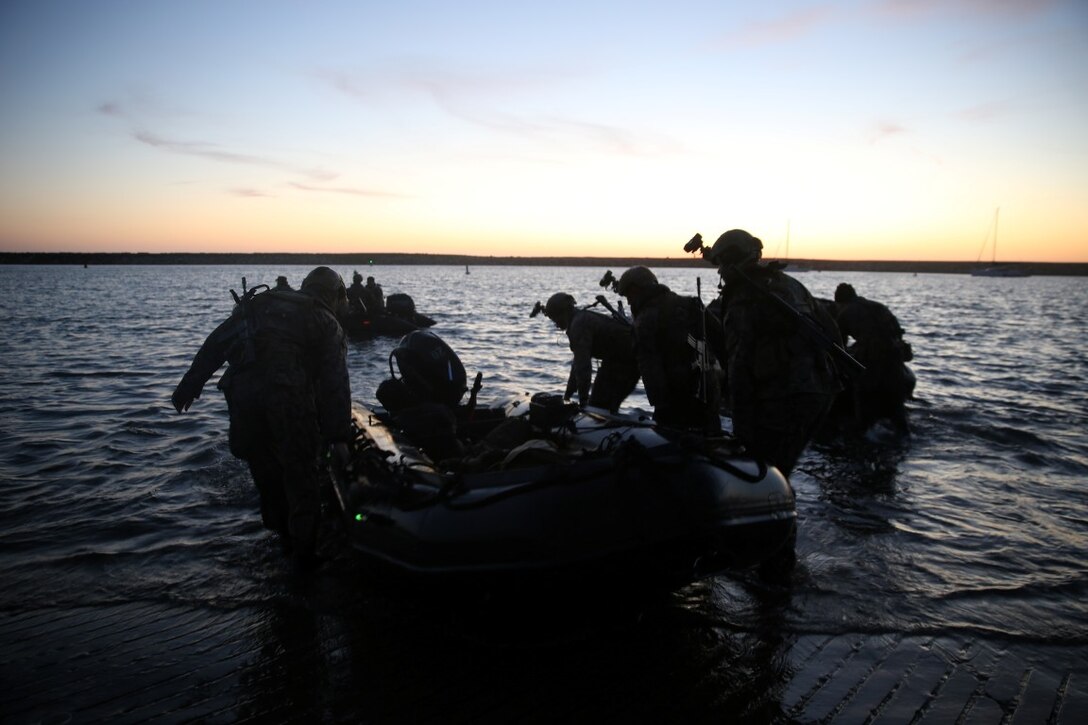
[978, 526]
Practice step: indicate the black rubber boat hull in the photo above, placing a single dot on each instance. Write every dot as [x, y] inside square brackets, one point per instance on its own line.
[651, 514]
[363, 326]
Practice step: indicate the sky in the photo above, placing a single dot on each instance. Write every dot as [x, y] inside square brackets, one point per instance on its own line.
[860, 129]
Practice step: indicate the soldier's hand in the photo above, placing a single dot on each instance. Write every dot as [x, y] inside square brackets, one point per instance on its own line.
[180, 400]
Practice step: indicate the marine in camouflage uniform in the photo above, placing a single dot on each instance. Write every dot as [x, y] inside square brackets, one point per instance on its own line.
[882, 390]
[780, 383]
[679, 372]
[595, 336]
[287, 391]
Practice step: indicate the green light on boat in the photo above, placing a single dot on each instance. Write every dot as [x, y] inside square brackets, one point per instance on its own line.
[359, 517]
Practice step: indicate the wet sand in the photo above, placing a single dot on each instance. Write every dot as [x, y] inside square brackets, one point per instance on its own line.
[310, 657]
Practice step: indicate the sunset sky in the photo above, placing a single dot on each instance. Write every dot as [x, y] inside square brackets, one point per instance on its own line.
[869, 129]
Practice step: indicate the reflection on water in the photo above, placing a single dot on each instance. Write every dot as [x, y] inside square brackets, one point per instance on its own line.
[977, 526]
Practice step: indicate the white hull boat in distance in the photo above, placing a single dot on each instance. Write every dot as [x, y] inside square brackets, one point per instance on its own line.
[995, 269]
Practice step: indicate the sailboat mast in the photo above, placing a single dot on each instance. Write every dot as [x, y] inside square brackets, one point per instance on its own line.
[996, 210]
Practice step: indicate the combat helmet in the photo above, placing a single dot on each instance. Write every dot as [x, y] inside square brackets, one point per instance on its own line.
[735, 247]
[845, 293]
[327, 286]
[635, 278]
[559, 307]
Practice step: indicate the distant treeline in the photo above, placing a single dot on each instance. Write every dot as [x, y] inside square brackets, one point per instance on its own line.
[616, 264]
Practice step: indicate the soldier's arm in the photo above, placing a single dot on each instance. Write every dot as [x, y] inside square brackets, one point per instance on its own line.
[332, 386]
[210, 357]
[649, 355]
[581, 368]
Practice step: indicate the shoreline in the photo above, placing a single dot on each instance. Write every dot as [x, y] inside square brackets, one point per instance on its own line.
[395, 258]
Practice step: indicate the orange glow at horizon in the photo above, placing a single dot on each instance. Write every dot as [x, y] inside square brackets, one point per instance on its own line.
[168, 228]
[452, 131]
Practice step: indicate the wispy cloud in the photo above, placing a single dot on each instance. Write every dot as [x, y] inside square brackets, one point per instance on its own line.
[347, 190]
[984, 112]
[553, 130]
[214, 152]
[217, 153]
[140, 104]
[250, 193]
[978, 8]
[417, 76]
[110, 108]
[476, 99]
[202, 149]
[782, 29]
[883, 130]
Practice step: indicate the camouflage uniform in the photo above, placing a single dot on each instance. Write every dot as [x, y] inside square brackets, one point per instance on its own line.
[594, 336]
[780, 384]
[667, 328]
[287, 389]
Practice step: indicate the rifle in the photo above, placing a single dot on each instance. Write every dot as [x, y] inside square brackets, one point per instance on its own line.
[249, 353]
[701, 347]
[476, 385]
[617, 314]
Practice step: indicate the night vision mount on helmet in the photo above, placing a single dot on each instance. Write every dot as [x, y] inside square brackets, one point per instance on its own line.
[734, 247]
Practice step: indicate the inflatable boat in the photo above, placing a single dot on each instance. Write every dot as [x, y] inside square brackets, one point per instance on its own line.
[398, 318]
[589, 499]
[535, 494]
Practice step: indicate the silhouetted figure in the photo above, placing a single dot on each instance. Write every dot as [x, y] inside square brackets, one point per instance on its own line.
[356, 293]
[882, 390]
[681, 376]
[287, 391]
[595, 336]
[373, 297]
[282, 284]
[780, 382]
[425, 399]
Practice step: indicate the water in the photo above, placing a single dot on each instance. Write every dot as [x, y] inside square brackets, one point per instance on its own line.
[976, 529]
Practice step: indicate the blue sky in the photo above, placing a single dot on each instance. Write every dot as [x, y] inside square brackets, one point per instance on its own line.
[884, 129]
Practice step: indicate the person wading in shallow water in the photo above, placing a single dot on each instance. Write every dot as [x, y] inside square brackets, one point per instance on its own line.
[287, 391]
[593, 335]
[882, 390]
[682, 378]
[780, 383]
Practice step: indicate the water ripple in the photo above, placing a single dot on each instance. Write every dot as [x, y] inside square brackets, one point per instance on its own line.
[978, 524]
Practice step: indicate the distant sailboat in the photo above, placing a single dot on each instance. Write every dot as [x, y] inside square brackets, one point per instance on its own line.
[792, 267]
[995, 269]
